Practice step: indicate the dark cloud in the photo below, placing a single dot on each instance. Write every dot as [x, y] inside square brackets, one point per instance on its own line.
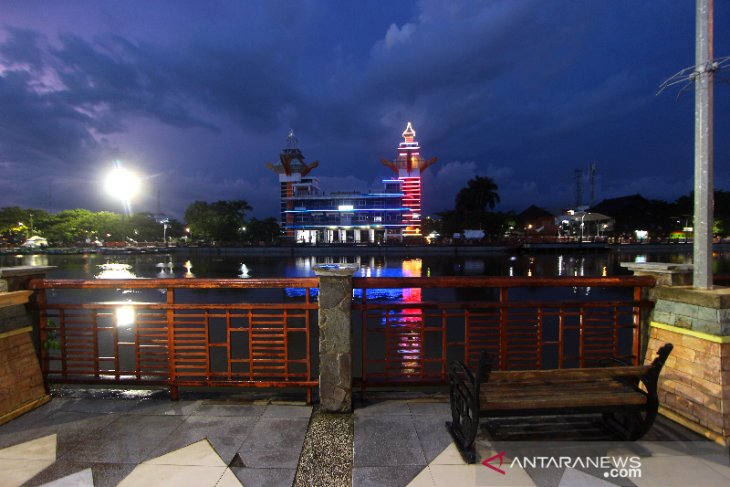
[200, 98]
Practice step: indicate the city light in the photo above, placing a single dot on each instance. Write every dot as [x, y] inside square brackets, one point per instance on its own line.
[123, 185]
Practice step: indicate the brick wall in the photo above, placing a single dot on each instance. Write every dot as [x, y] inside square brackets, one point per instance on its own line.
[695, 381]
[21, 380]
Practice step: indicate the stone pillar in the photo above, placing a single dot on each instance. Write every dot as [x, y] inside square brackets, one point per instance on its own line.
[694, 386]
[21, 380]
[335, 336]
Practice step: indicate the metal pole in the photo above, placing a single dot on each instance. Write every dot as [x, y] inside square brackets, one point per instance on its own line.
[704, 195]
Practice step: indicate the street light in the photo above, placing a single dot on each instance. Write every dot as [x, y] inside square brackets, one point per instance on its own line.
[123, 185]
[165, 226]
[582, 224]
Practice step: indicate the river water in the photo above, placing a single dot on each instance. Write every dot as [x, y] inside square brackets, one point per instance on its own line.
[182, 263]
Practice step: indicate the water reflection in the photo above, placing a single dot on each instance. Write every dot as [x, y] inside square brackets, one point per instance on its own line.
[113, 270]
[125, 315]
[30, 260]
[407, 323]
[187, 266]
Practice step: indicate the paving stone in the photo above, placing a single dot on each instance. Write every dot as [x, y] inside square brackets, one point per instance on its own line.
[129, 439]
[265, 477]
[384, 476]
[104, 474]
[388, 408]
[84, 478]
[274, 443]
[432, 435]
[99, 406]
[225, 433]
[165, 407]
[71, 428]
[386, 441]
[442, 409]
[217, 409]
[287, 411]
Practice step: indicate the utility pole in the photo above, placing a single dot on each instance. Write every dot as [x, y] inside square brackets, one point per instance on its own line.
[703, 173]
[593, 183]
[578, 188]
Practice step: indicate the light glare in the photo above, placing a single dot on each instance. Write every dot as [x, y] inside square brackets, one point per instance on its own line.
[122, 184]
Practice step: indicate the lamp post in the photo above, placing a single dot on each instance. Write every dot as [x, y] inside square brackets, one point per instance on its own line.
[165, 226]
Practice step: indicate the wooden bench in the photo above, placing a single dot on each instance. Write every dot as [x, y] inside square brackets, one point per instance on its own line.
[626, 395]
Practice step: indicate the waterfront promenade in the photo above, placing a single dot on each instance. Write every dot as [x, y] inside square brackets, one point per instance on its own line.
[464, 249]
[142, 438]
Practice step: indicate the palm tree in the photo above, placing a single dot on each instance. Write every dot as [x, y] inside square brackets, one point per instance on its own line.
[479, 193]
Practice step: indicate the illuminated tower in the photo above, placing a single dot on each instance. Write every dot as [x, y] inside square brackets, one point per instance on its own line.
[408, 166]
[292, 171]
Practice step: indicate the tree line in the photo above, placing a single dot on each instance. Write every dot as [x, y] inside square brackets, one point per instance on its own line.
[227, 221]
[474, 205]
[217, 222]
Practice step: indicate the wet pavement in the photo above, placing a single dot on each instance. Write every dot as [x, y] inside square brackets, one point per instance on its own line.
[149, 440]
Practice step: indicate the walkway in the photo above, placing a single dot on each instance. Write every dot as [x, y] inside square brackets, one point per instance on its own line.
[79, 441]
[146, 441]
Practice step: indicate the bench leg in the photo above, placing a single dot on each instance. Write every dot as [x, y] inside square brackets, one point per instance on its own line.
[464, 423]
[631, 425]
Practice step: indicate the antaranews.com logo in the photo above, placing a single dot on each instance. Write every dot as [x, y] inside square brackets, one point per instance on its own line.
[613, 467]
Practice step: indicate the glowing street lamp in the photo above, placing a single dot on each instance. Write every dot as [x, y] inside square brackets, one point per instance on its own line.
[123, 185]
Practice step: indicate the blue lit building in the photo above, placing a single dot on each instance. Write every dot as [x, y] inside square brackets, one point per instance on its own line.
[309, 215]
[345, 217]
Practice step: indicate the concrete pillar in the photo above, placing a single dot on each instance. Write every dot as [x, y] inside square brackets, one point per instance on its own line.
[20, 372]
[694, 386]
[335, 336]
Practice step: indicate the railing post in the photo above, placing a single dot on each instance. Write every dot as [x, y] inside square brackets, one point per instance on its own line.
[171, 353]
[335, 336]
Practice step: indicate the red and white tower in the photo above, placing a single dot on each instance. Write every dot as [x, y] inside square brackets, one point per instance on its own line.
[408, 166]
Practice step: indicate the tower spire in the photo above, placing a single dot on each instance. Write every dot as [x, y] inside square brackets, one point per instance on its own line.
[409, 134]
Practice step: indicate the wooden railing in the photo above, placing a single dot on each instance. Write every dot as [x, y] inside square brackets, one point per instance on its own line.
[261, 332]
[177, 333]
[528, 323]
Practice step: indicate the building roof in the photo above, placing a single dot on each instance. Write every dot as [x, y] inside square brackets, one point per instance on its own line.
[534, 213]
[615, 206]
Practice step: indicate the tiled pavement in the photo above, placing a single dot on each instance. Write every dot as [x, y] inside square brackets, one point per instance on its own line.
[401, 443]
[83, 442]
[120, 439]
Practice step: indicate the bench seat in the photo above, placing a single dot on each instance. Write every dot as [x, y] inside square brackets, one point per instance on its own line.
[626, 396]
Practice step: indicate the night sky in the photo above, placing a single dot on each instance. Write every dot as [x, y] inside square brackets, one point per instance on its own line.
[199, 96]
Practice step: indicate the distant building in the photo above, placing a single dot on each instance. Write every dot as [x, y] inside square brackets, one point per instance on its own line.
[634, 212]
[309, 215]
[537, 221]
